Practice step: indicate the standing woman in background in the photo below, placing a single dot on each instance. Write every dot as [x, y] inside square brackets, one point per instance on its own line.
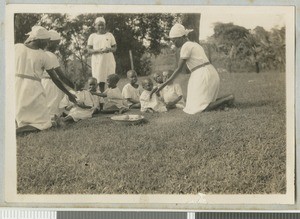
[32, 112]
[102, 45]
[204, 82]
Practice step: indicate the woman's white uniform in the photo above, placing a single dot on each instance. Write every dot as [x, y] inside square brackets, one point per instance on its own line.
[204, 82]
[102, 64]
[31, 103]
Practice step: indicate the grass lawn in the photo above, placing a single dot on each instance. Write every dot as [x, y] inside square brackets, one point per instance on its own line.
[239, 151]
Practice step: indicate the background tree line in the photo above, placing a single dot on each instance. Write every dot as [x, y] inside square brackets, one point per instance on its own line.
[238, 49]
[231, 47]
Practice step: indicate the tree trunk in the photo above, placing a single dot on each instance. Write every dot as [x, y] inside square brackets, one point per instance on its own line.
[257, 67]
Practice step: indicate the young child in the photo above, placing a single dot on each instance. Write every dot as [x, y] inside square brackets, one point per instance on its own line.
[172, 93]
[152, 104]
[158, 78]
[87, 103]
[132, 91]
[113, 100]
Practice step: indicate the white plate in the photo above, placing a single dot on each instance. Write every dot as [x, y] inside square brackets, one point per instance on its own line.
[127, 118]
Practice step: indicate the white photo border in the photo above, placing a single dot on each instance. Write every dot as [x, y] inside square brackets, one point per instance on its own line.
[144, 201]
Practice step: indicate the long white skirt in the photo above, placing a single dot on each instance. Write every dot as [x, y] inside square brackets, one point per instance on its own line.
[203, 88]
[31, 104]
[53, 95]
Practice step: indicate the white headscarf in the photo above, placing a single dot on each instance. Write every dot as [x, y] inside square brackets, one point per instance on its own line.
[99, 19]
[54, 35]
[38, 32]
[178, 30]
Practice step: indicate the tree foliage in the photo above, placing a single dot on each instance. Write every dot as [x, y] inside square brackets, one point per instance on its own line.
[232, 47]
[238, 49]
[143, 34]
[23, 23]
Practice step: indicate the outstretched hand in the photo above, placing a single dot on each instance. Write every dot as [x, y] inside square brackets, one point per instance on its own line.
[153, 91]
[72, 98]
[83, 106]
[94, 93]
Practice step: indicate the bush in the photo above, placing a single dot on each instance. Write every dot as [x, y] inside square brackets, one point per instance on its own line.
[145, 65]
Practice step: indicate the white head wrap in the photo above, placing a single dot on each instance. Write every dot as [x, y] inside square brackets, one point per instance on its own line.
[38, 32]
[178, 30]
[54, 35]
[99, 19]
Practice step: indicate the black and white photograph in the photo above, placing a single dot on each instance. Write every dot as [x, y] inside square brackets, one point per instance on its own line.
[150, 104]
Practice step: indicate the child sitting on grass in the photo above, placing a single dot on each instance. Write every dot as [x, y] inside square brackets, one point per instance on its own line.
[87, 103]
[132, 91]
[158, 78]
[113, 100]
[172, 93]
[152, 104]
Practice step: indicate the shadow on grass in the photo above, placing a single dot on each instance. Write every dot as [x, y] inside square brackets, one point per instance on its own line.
[249, 104]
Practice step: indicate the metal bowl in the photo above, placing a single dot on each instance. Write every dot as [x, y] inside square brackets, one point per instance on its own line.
[128, 119]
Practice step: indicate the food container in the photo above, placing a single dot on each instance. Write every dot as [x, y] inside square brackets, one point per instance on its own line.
[128, 119]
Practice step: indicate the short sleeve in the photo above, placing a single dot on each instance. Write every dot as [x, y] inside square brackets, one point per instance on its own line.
[90, 40]
[55, 62]
[53, 59]
[185, 51]
[112, 40]
[47, 62]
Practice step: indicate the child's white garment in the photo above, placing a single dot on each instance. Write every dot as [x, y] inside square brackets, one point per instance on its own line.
[114, 99]
[85, 97]
[65, 102]
[53, 94]
[170, 93]
[131, 92]
[153, 102]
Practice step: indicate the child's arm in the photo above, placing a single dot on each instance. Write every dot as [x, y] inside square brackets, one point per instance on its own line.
[99, 94]
[132, 100]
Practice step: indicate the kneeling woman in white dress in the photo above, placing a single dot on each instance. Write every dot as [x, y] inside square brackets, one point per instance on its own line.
[32, 112]
[204, 82]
